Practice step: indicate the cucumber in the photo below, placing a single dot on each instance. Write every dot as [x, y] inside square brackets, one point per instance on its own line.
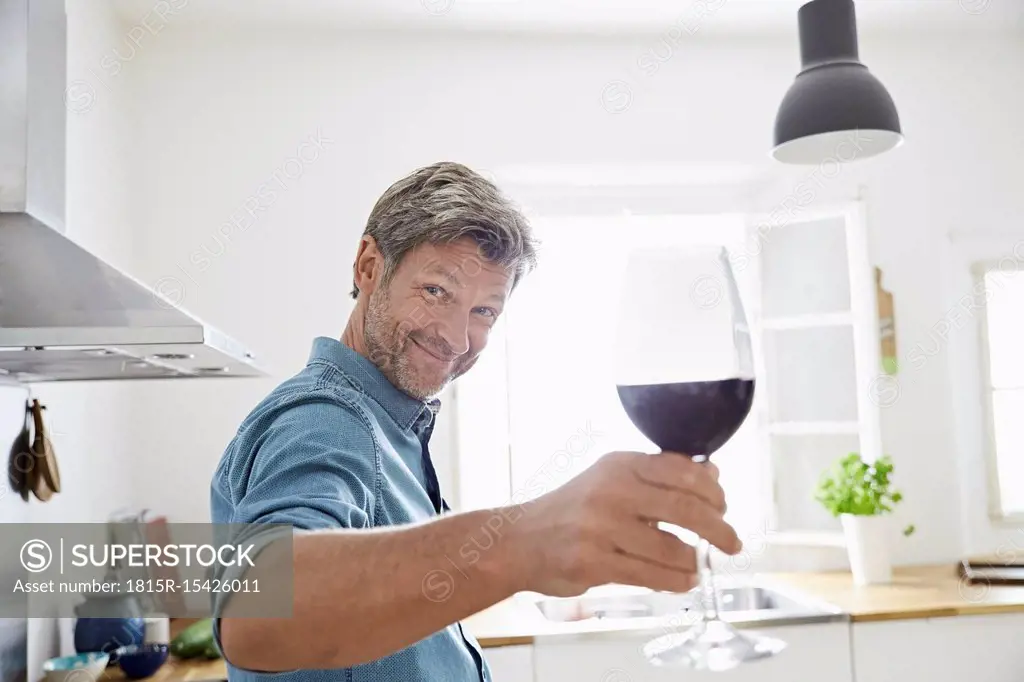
[194, 640]
[212, 651]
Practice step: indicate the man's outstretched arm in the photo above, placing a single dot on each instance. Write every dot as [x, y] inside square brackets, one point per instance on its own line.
[361, 594]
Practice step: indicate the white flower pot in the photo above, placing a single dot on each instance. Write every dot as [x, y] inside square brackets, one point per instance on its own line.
[867, 544]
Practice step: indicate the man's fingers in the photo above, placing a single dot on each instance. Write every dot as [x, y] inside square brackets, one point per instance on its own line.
[656, 546]
[626, 569]
[671, 471]
[689, 512]
[712, 470]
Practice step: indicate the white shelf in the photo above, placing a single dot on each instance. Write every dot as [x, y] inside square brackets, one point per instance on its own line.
[813, 428]
[790, 538]
[808, 321]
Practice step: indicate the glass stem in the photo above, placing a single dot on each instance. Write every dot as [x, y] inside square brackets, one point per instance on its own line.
[709, 595]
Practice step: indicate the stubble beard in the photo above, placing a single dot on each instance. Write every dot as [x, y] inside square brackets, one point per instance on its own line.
[388, 347]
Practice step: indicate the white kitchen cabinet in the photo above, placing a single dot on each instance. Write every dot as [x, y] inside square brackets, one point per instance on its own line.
[981, 648]
[816, 653]
[510, 663]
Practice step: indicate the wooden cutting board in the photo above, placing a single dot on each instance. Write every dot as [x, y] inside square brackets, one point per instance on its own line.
[45, 475]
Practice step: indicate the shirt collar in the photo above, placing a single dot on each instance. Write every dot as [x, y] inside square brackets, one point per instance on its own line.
[365, 376]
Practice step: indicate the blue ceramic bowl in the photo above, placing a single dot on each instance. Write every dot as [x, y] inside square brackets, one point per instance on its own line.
[141, 660]
[107, 634]
[81, 668]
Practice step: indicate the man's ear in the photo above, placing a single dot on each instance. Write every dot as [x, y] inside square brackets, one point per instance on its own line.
[368, 266]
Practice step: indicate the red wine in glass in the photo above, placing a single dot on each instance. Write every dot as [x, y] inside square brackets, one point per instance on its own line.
[691, 418]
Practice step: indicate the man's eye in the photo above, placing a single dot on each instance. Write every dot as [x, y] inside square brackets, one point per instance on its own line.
[434, 291]
[487, 312]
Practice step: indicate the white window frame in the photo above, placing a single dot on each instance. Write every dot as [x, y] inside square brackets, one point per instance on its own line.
[862, 319]
[757, 200]
[984, 529]
[995, 508]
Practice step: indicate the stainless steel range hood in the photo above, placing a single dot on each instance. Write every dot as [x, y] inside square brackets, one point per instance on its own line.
[65, 314]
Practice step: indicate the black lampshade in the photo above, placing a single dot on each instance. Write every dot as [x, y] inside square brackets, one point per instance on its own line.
[835, 108]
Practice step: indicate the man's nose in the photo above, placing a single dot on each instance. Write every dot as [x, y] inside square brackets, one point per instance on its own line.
[453, 327]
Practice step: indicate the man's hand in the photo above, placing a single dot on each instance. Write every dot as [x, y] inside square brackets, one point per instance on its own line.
[601, 527]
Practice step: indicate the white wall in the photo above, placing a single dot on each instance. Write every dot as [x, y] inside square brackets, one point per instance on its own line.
[219, 113]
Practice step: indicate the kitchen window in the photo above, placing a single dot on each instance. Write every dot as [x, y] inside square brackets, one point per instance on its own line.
[1002, 336]
[541, 406]
[549, 388]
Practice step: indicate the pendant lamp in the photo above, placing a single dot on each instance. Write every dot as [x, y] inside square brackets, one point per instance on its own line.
[835, 108]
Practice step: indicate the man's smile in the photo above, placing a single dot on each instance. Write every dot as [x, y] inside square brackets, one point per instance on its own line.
[432, 354]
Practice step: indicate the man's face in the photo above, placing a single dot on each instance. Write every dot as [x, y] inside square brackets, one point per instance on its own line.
[429, 324]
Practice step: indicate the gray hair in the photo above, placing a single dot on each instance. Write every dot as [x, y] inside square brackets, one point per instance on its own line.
[442, 203]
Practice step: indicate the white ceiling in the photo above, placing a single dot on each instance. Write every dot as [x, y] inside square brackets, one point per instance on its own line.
[586, 16]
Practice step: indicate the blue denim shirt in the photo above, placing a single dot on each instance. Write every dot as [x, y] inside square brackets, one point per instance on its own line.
[338, 446]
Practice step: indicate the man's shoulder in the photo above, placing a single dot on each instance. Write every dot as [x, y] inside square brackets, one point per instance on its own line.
[315, 391]
[310, 404]
[306, 413]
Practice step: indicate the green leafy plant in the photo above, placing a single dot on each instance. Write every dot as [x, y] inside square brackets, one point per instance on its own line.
[852, 486]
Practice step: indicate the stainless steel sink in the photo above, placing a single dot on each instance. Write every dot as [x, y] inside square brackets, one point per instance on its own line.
[739, 604]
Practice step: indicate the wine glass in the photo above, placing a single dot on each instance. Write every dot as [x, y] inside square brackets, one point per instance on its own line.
[684, 375]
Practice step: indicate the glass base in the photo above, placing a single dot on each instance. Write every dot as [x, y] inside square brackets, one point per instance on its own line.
[711, 645]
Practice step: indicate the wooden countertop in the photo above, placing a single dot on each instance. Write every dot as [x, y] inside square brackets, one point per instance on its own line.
[175, 670]
[916, 592]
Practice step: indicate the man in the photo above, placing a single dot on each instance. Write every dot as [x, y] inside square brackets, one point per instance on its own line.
[340, 452]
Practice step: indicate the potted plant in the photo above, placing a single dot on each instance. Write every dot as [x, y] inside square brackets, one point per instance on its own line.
[861, 495]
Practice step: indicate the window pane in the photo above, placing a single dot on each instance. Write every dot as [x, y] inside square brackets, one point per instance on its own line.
[1007, 408]
[813, 374]
[563, 409]
[1005, 294]
[481, 425]
[795, 284]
